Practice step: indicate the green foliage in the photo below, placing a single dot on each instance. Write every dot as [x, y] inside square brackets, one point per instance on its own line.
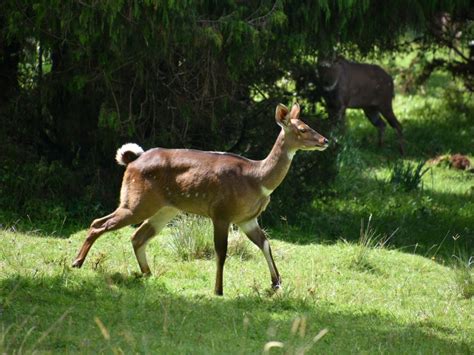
[407, 176]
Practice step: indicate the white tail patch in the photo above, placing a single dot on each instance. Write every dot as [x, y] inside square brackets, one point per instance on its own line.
[128, 148]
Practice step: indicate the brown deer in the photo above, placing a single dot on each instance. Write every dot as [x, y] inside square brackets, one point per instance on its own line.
[227, 188]
[348, 84]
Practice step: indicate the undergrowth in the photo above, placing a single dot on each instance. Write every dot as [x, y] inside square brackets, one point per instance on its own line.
[192, 237]
[407, 176]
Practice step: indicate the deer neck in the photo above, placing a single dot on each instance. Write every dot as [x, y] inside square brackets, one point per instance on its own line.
[274, 167]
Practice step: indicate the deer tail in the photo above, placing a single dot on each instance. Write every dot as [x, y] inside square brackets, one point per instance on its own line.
[128, 153]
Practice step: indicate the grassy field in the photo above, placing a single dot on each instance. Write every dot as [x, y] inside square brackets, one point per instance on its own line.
[403, 284]
[367, 299]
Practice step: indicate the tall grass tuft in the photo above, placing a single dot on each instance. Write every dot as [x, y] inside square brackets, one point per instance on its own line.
[464, 275]
[239, 245]
[369, 239]
[192, 237]
[407, 176]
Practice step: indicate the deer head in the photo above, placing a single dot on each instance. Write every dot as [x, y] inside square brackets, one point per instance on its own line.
[297, 134]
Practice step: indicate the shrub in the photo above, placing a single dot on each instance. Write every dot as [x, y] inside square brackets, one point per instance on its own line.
[407, 176]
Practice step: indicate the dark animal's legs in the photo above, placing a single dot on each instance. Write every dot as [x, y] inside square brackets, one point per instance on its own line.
[337, 112]
[374, 118]
[387, 112]
[258, 237]
[221, 232]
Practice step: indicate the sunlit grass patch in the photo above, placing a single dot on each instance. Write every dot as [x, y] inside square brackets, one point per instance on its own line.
[410, 304]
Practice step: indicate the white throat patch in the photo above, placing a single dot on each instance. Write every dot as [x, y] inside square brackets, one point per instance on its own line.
[290, 154]
[331, 87]
[265, 191]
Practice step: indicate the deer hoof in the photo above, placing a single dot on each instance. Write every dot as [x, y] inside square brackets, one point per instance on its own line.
[77, 263]
[276, 287]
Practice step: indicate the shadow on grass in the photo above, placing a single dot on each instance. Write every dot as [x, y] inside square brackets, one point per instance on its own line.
[425, 222]
[434, 134]
[110, 313]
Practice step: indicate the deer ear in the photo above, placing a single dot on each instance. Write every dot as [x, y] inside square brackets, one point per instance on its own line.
[281, 115]
[295, 111]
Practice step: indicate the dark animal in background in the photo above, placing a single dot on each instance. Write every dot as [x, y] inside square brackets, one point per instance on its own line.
[368, 87]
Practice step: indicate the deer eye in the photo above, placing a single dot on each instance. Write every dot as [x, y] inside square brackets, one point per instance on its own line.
[302, 129]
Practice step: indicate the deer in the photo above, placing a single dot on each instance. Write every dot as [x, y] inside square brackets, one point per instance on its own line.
[348, 84]
[227, 188]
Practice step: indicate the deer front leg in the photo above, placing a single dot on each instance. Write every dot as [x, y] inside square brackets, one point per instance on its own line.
[221, 232]
[258, 237]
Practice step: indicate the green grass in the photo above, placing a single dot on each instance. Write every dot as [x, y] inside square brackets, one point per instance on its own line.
[403, 303]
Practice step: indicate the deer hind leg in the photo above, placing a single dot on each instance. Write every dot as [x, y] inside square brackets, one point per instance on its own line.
[221, 233]
[149, 228]
[121, 217]
[387, 112]
[374, 118]
[258, 237]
